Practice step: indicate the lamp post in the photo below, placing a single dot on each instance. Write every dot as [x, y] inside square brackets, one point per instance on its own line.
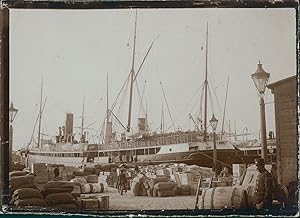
[214, 122]
[260, 79]
[12, 115]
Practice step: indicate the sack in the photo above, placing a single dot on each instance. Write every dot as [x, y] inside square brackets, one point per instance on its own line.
[31, 202]
[12, 189]
[58, 184]
[18, 173]
[22, 181]
[161, 186]
[135, 188]
[59, 198]
[143, 190]
[153, 181]
[92, 179]
[91, 170]
[25, 193]
[57, 187]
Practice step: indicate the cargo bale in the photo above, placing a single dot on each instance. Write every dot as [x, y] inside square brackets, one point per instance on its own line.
[18, 173]
[164, 186]
[135, 188]
[59, 198]
[153, 181]
[92, 178]
[91, 170]
[27, 181]
[165, 193]
[26, 193]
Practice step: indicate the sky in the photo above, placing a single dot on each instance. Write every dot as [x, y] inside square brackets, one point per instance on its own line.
[74, 51]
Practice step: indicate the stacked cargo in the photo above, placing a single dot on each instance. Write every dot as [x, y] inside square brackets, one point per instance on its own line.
[78, 183]
[58, 195]
[40, 172]
[24, 190]
[164, 189]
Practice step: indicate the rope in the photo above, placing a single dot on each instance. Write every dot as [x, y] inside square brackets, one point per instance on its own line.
[140, 98]
[122, 99]
[167, 105]
[125, 82]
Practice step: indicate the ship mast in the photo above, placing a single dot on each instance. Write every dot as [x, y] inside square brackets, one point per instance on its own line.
[82, 122]
[131, 77]
[40, 116]
[205, 85]
[108, 129]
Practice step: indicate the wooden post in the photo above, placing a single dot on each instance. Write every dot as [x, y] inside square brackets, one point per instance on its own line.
[4, 108]
[197, 193]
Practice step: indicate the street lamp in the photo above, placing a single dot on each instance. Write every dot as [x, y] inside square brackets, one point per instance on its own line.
[260, 79]
[214, 122]
[12, 115]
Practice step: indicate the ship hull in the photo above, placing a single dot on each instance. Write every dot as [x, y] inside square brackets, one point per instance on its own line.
[225, 157]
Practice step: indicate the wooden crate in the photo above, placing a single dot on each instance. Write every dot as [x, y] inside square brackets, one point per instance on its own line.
[100, 203]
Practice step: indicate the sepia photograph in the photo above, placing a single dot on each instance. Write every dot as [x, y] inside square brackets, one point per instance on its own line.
[152, 109]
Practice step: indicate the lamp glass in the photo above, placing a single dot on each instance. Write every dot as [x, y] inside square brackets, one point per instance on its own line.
[213, 122]
[260, 79]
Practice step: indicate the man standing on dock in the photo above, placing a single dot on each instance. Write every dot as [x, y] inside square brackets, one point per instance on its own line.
[122, 181]
[263, 187]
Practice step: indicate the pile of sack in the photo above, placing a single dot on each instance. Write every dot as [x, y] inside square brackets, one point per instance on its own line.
[154, 187]
[24, 190]
[58, 195]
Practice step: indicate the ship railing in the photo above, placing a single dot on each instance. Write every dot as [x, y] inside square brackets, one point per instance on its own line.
[155, 141]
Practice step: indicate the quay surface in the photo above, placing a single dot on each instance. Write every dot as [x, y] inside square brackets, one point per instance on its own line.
[129, 202]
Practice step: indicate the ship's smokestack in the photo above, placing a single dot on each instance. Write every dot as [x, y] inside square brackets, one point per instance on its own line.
[141, 124]
[69, 125]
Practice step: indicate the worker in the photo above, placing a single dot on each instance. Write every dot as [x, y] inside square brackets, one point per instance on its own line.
[56, 173]
[263, 186]
[122, 182]
[136, 169]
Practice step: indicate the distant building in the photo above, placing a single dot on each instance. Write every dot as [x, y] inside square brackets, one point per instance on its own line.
[285, 96]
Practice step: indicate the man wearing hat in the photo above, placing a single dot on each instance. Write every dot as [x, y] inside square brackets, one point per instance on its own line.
[263, 186]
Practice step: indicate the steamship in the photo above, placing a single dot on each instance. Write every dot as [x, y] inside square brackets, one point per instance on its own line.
[145, 146]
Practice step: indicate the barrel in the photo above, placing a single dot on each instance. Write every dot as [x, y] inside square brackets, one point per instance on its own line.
[223, 197]
[92, 188]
